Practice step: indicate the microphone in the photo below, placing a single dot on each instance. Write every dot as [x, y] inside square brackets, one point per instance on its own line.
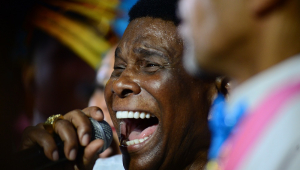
[35, 159]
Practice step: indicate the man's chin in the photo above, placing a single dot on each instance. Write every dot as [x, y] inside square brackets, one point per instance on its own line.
[139, 161]
[192, 66]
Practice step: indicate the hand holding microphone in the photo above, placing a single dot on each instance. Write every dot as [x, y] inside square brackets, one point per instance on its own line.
[75, 131]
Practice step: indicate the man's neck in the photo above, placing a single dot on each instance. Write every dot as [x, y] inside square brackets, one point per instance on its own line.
[199, 163]
[276, 38]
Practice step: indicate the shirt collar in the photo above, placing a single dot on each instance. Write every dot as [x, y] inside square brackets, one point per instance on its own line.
[253, 90]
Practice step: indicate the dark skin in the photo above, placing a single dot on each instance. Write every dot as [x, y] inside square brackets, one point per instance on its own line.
[149, 76]
[74, 130]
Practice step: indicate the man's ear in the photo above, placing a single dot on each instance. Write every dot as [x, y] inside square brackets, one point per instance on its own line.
[223, 85]
[261, 7]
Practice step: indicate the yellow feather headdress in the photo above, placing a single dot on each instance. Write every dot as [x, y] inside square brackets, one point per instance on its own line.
[82, 25]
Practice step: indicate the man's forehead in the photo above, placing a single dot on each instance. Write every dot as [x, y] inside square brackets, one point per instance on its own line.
[148, 26]
[150, 33]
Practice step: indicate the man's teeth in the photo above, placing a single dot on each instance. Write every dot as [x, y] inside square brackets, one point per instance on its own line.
[136, 141]
[131, 114]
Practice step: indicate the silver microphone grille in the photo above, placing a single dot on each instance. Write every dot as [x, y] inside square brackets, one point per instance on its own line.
[102, 130]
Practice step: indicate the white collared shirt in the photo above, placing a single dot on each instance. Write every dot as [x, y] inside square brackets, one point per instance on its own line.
[256, 88]
[278, 148]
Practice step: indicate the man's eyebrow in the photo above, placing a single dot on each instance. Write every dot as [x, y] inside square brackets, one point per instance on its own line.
[151, 52]
[117, 53]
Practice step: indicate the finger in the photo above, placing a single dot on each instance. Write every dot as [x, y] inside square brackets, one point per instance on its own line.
[91, 152]
[68, 135]
[94, 112]
[106, 153]
[38, 135]
[82, 124]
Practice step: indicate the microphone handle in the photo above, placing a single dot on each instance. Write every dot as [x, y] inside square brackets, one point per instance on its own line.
[35, 159]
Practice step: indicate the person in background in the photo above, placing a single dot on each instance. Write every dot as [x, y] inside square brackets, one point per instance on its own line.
[256, 44]
[66, 40]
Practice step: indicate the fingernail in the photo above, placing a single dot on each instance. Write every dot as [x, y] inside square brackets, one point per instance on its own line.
[72, 155]
[55, 155]
[99, 113]
[85, 139]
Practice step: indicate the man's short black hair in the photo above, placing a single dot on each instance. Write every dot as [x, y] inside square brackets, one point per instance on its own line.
[163, 9]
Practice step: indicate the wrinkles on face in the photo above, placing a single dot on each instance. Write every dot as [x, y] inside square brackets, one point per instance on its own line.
[149, 77]
[155, 36]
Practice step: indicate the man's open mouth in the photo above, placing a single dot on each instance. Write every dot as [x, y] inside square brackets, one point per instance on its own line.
[136, 127]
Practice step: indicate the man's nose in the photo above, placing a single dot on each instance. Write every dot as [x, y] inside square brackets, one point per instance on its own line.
[125, 85]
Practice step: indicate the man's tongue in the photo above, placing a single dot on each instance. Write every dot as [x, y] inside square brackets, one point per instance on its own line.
[136, 130]
[140, 134]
